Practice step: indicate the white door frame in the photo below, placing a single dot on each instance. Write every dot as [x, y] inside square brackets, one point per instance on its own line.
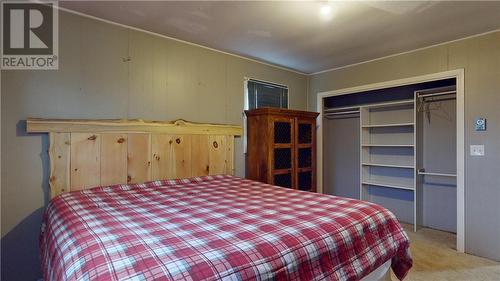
[459, 75]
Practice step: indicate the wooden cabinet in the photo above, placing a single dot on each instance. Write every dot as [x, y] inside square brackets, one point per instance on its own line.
[281, 147]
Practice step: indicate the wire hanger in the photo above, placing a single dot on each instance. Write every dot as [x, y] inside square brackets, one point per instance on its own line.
[434, 107]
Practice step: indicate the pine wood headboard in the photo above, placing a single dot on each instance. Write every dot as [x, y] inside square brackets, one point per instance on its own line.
[88, 153]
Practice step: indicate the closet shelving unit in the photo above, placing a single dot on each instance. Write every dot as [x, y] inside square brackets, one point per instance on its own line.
[388, 148]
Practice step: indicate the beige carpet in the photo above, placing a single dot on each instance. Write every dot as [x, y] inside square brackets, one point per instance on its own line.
[435, 259]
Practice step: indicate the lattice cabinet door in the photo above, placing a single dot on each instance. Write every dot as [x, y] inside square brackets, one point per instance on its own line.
[282, 155]
[306, 153]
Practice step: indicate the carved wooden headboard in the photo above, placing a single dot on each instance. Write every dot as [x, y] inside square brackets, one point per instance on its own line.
[88, 153]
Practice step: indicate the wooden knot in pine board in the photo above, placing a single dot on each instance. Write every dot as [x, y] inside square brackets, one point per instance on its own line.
[178, 140]
[92, 137]
[129, 178]
[180, 122]
[121, 140]
[215, 144]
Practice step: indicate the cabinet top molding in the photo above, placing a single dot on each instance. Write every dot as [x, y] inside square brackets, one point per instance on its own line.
[281, 111]
[179, 126]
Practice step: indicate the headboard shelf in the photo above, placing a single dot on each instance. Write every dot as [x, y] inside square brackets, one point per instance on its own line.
[179, 126]
[88, 153]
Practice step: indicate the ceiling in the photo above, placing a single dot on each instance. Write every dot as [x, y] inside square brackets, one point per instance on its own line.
[295, 35]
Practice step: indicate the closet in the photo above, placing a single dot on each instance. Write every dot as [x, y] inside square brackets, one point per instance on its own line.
[395, 147]
[436, 160]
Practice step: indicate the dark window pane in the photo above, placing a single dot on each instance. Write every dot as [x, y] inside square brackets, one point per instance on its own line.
[262, 94]
[268, 96]
[251, 95]
[284, 100]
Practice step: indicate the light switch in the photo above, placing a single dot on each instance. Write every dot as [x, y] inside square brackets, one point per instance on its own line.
[480, 124]
[477, 150]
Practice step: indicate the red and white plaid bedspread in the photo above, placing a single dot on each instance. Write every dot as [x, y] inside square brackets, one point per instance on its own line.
[216, 228]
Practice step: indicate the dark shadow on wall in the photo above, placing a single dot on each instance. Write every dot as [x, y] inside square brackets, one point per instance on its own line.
[20, 254]
[44, 157]
[20, 250]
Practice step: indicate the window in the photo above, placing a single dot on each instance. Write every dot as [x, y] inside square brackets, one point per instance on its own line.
[262, 94]
[265, 94]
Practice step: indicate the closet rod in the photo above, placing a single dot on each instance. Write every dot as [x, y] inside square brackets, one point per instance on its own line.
[341, 117]
[420, 172]
[437, 94]
[440, 99]
[342, 112]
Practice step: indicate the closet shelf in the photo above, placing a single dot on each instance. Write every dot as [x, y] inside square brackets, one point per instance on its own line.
[387, 145]
[389, 185]
[390, 104]
[409, 124]
[373, 105]
[388, 165]
[340, 109]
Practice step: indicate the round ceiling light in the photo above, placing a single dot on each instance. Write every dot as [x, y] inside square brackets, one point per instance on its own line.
[326, 12]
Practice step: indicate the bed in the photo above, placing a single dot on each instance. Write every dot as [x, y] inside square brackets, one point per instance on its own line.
[208, 227]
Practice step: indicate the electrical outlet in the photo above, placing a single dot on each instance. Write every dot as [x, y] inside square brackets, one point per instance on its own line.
[477, 150]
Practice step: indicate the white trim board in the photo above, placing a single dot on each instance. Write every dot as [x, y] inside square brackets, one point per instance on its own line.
[459, 75]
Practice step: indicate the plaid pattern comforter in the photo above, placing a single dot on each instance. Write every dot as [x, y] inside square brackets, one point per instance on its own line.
[216, 228]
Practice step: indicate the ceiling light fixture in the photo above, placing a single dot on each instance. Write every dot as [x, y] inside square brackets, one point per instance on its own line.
[326, 12]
